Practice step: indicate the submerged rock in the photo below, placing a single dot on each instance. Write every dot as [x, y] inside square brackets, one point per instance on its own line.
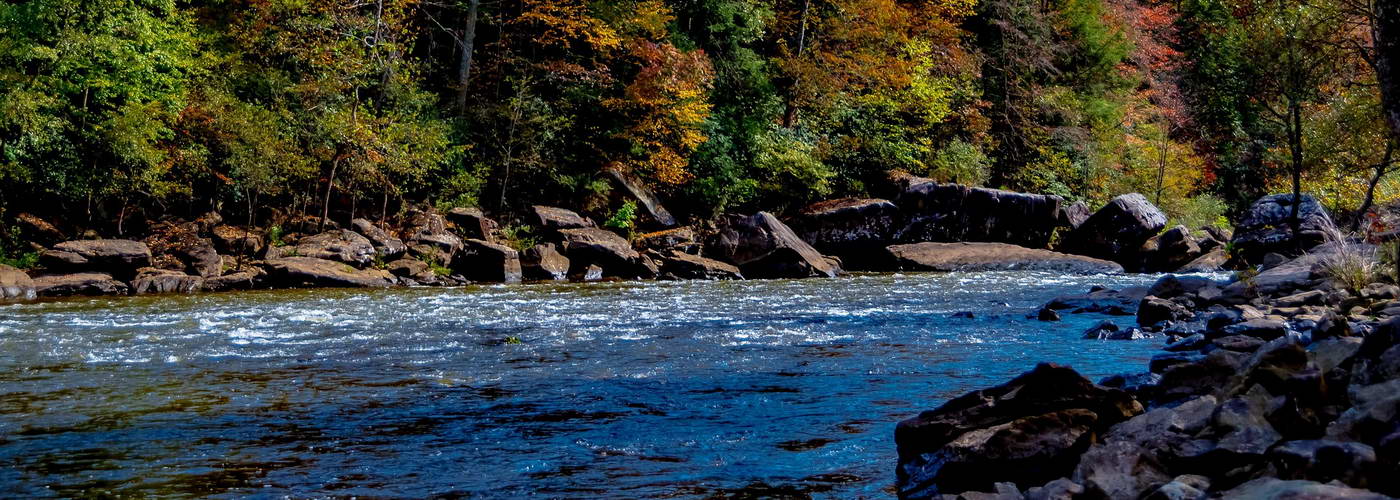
[993, 257]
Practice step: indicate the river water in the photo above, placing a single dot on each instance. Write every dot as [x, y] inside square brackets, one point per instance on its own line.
[641, 389]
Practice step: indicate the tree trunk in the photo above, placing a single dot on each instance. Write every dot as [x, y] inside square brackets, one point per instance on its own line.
[1295, 147]
[464, 66]
[1387, 35]
[326, 205]
[1371, 186]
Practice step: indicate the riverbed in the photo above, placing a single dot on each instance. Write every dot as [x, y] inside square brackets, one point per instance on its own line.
[631, 389]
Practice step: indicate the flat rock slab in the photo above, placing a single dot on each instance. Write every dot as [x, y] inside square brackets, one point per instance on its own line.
[64, 285]
[968, 256]
[309, 271]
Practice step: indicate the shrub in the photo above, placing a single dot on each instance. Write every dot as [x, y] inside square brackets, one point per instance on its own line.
[1350, 265]
[519, 236]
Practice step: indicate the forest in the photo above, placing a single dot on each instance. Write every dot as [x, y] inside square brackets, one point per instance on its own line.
[114, 112]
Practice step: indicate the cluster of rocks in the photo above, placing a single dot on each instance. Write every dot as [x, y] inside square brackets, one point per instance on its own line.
[1003, 230]
[426, 248]
[1282, 384]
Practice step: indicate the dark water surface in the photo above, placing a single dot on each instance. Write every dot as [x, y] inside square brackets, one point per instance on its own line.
[681, 389]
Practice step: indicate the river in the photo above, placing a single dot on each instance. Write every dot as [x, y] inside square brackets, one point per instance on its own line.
[634, 389]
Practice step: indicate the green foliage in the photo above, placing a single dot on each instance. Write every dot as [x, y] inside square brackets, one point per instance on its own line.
[1199, 212]
[521, 237]
[274, 236]
[625, 218]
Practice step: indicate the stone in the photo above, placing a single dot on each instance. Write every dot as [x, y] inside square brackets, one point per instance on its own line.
[1059, 489]
[473, 224]
[64, 285]
[1002, 491]
[313, 272]
[340, 245]
[1119, 469]
[1275, 488]
[1101, 331]
[407, 267]
[1209, 262]
[1172, 286]
[1266, 329]
[238, 240]
[543, 262]
[1183, 487]
[1246, 433]
[116, 257]
[681, 238]
[1267, 227]
[554, 219]
[1380, 291]
[430, 228]
[856, 229]
[1351, 463]
[680, 265]
[1161, 362]
[1239, 343]
[1170, 250]
[386, 246]
[15, 284]
[58, 260]
[1074, 214]
[763, 247]
[1309, 298]
[245, 279]
[482, 260]
[1192, 342]
[1028, 431]
[603, 248]
[1047, 314]
[1116, 231]
[151, 281]
[952, 212]
[1208, 376]
[969, 257]
[1153, 310]
[1115, 302]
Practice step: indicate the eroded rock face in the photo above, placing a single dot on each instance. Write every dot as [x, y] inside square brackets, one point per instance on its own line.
[117, 257]
[65, 285]
[544, 262]
[849, 227]
[15, 284]
[1267, 227]
[341, 245]
[1117, 230]
[763, 247]
[953, 212]
[385, 245]
[151, 281]
[1030, 431]
[592, 246]
[485, 261]
[554, 219]
[313, 272]
[992, 257]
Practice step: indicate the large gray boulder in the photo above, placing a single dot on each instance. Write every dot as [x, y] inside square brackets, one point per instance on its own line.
[763, 247]
[386, 245]
[992, 257]
[954, 212]
[15, 284]
[340, 245]
[64, 285]
[1030, 431]
[313, 272]
[152, 281]
[681, 265]
[482, 260]
[117, 257]
[856, 229]
[588, 246]
[1117, 230]
[1267, 228]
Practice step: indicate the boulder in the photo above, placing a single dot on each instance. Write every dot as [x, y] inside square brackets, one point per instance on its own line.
[1030, 431]
[554, 219]
[243, 279]
[1153, 310]
[430, 228]
[1117, 230]
[592, 246]
[1275, 488]
[1101, 300]
[407, 267]
[1209, 262]
[763, 247]
[855, 229]
[340, 245]
[1354, 464]
[151, 280]
[15, 284]
[992, 257]
[643, 195]
[1169, 251]
[544, 262]
[116, 257]
[1262, 328]
[313, 272]
[1183, 487]
[1074, 214]
[1267, 227]
[1172, 286]
[179, 246]
[684, 266]
[64, 285]
[953, 212]
[238, 240]
[482, 260]
[1059, 489]
[1101, 330]
[681, 238]
[472, 223]
[1119, 469]
[386, 246]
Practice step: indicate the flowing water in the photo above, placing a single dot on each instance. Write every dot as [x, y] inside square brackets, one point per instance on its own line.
[643, 389]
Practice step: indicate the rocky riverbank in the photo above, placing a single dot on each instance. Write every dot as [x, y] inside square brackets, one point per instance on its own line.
[926, 226]
[1284, 384]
